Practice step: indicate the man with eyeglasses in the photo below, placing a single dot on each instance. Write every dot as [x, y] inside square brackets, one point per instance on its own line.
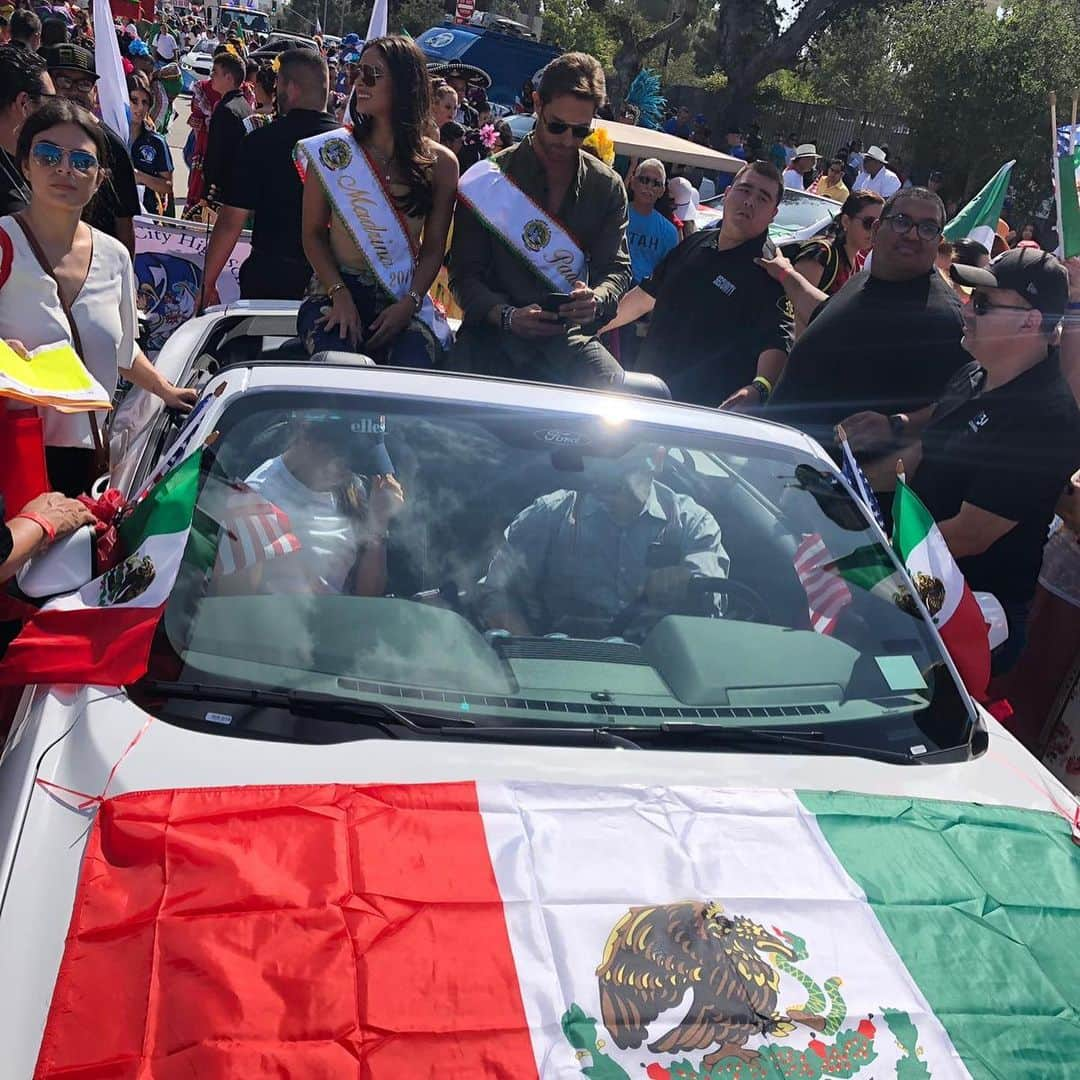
[113, 209]
[878, 353]
[993, 469]
[720, 327]
[539, 257]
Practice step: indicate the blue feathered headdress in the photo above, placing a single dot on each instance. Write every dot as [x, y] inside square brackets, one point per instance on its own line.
[644, 94]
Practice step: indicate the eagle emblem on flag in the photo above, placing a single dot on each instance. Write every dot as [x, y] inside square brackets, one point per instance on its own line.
[703, 979]
[930, 589]
[127, 580]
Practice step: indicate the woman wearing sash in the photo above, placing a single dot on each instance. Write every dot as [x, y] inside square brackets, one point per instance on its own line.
[377, 207]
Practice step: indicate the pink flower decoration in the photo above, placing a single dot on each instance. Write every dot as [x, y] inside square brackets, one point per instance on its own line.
[489, 136]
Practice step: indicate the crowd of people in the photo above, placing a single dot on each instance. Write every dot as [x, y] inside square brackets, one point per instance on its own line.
[963, 361]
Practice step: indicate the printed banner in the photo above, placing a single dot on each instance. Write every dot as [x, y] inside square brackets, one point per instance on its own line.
[168, 270]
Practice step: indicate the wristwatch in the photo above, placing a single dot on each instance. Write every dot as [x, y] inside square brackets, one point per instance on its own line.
[416, 298]
[507, 317]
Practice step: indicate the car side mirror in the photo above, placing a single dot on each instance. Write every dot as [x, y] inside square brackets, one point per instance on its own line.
[66, 566]
[994, 615]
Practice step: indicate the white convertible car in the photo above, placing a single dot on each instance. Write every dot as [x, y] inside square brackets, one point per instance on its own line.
[551, 776]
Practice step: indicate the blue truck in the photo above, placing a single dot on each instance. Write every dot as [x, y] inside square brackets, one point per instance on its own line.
[507, 58]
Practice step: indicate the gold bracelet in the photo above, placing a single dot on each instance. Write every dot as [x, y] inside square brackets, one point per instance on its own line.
[333, 289]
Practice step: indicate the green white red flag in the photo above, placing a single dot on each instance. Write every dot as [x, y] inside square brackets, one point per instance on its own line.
[546, 932]
[978, 220]
[942, 588]
[102, 633]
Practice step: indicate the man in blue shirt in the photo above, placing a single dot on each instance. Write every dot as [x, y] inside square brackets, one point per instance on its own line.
[576, 560]
[649, 235]
[679, 124]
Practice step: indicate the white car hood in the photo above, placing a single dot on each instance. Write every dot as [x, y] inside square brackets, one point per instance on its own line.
[75, 737]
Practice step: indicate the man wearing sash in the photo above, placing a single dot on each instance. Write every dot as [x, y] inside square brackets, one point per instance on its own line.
[538, 220]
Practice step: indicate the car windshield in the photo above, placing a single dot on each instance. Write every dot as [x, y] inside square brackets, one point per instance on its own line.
[533, 568]
[207, 47]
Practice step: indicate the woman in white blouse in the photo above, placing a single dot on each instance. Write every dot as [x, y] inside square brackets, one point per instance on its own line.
[50, 260]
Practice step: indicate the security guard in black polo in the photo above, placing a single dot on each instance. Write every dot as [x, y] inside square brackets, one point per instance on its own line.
[721, 327]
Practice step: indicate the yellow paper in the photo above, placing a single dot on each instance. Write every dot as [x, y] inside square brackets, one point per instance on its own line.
[53, 375]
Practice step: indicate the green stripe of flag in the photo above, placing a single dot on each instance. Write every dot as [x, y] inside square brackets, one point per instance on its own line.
[166, 508]
[912, 522]
[984, 210]
[982, 903]
[1070, 203]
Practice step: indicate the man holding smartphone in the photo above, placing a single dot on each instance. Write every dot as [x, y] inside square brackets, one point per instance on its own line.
[539, 256]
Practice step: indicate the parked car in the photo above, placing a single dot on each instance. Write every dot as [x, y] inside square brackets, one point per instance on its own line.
[308, 778]
[801, 215]
[196, 64]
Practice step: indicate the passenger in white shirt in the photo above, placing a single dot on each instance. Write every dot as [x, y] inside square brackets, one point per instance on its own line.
[875, 176]
[59, 150]
[801, 164]
[341, 523]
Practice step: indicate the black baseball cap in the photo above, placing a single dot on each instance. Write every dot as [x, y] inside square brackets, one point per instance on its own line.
[1036, 275]
[69, 57]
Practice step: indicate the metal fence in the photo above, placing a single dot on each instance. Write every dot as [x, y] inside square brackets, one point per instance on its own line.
[827, 126]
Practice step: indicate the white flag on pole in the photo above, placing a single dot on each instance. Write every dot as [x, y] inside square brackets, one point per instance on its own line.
[377, 25]
[112, 89]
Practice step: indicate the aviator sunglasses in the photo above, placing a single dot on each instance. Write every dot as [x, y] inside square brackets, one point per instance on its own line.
[368, 74]
[560, 127]
[48, 155]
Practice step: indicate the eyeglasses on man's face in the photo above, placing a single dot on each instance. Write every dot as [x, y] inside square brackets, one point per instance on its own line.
[980, 304]
[901, 224]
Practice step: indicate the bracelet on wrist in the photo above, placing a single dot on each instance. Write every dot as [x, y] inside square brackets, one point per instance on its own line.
[334, 289]
[507, 318]
[416, 298]
[763, 386]
[42, 522]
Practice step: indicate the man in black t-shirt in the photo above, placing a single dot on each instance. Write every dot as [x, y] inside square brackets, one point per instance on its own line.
[993, 469]
[264, 182]
[23, 81]
[117, 200]
[226, 124]
[884, 346]
[721, 328]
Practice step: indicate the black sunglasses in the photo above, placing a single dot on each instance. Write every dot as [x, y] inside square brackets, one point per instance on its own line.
[980, 304]
[559, 127]
[902, 224]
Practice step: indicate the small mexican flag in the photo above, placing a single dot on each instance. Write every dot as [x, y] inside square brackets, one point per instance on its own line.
[978, 220]
[102, 633]
[536, 931]
[937, 579]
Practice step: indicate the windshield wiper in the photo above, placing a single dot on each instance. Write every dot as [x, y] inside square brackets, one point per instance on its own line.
[307, 703]
[813, 739]
[551, 735]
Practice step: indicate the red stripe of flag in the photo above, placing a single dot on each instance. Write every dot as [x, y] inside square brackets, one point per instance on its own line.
[313, 932]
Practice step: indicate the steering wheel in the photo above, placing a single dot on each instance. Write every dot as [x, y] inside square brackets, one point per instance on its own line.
[749, 605]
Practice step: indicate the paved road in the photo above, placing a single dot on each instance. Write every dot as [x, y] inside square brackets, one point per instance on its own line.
[177, 136]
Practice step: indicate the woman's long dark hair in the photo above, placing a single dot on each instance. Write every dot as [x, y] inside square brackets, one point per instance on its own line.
[411, 106]
[854, 204]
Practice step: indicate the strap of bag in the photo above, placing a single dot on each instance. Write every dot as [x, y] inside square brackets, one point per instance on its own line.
[35, 247]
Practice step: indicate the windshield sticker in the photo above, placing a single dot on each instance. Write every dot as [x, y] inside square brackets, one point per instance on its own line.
[217, 718]
[562, 438]
[369, 425]
[901, 672]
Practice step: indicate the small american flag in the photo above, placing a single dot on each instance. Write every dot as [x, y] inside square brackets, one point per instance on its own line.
[1065, 140]
[827, 594]
[255, 530]
[854, 475]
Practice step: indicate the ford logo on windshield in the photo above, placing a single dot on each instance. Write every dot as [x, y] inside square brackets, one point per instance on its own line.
[562, 438]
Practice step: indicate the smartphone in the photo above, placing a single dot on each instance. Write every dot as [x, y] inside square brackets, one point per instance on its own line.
[555, 300]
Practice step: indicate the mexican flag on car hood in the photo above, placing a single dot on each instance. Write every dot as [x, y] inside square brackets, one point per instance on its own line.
[517, 931]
